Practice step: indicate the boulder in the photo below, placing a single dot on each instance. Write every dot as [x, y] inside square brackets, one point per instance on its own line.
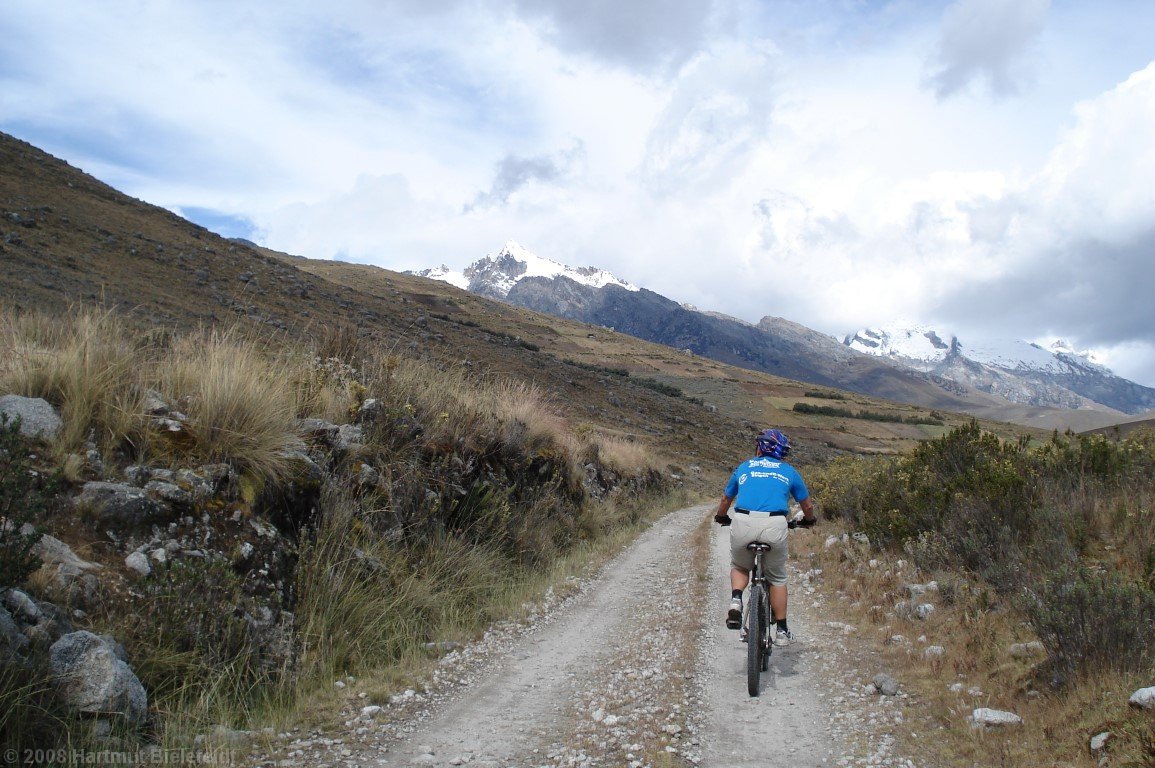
[92, 679]
[37, 417]
[121, 506]
[12, 640]
[170, 493]
[1144, 698]
[370, 411]
[22, 607]
[303, 471]
[350, 437]
[68, 576]
[1027, 650]
[984, 716]
[885, 684]
[918, 590]
[318, 430]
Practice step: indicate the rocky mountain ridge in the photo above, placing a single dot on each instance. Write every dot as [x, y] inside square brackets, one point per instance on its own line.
[927, 374]
[1019, 371]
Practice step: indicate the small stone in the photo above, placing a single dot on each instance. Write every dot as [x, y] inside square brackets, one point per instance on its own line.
[1100, 741]
[370, 711]
[138, 562]
[933, 652]
[995, 717]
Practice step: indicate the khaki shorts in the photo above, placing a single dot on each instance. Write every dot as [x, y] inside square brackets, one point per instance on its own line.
[745, 529]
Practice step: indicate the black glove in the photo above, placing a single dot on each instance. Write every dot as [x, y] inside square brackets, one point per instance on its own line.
[808, 523]
[722, 520]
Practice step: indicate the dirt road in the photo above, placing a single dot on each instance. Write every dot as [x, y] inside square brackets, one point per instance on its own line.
[635, 670]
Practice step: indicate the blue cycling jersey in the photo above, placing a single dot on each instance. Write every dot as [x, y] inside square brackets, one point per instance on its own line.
[765, 485]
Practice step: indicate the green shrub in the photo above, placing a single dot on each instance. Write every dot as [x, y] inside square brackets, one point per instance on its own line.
[864, 415]
[190, 631]
[823, 410]
[1093, 620]
[1067, 523]
[657, 386]
[822, 394]
[612, 371]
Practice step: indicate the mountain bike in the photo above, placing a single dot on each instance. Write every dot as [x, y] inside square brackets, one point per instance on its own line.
[759, 621]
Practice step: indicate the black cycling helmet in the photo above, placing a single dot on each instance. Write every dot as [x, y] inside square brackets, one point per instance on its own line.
[773, 443]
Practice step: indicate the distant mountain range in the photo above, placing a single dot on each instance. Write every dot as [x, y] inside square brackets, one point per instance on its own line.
[1017, 381]
[1022, 372]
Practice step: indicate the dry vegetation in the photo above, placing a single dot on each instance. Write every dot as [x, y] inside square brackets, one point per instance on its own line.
[1048, 544]
[482, 492]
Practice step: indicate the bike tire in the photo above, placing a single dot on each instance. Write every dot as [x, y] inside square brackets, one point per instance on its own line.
[755, 634]
[767, 634]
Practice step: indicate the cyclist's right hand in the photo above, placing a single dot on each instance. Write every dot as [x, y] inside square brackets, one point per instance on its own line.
[802, 522]
[722, 520]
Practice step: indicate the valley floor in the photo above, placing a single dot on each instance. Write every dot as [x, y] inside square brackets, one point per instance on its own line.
[634, 669]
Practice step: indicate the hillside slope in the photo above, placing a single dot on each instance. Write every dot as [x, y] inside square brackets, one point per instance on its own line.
[66, 238]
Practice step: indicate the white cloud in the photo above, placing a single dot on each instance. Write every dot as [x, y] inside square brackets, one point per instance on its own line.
[754, 157]
[987, 40]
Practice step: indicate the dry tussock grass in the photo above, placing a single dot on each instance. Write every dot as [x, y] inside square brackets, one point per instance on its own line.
[84, 364]
[240, 404]
[626, 456]
[528, 417]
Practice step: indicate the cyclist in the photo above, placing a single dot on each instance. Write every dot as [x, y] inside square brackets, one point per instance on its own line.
[763, 487]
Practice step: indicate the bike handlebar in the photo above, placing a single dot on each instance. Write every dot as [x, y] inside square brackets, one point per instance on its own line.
[724, 520]
[803, 523]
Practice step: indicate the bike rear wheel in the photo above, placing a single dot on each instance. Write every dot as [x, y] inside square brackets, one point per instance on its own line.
[756, 621]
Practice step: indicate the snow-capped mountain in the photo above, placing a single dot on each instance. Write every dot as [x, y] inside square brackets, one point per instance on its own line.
[1025, 372]
[921, 345]
[906, 363]
[496, 274]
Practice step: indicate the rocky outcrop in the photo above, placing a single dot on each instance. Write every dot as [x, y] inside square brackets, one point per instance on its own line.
[93, 679]
[28, 625]
[121, 506]
[67, 577]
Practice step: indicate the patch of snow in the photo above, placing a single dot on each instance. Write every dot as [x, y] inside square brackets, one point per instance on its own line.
[445, 275]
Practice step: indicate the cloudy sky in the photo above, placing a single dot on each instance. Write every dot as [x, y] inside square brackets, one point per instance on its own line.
[985, 166]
